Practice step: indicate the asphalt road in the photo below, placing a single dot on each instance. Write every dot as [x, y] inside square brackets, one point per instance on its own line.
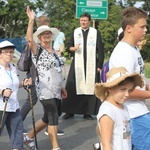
[80, 133]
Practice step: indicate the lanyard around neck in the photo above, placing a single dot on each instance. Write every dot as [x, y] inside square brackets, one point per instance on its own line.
[9, 74]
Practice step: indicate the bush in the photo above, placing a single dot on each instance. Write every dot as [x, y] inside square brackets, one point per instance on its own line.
[147, 69]
[66, 54]
[145, 52]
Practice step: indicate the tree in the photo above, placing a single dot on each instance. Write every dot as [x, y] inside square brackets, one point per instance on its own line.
[13, 18]
[145, 49]
[109, 27]
[62, 14]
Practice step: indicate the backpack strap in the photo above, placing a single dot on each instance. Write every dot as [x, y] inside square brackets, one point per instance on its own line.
[39, 51]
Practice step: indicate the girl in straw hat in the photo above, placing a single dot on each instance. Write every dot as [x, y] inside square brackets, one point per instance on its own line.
[113, 118]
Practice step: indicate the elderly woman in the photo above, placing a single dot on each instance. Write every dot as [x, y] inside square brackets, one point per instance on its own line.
[9, 106]
[49, 80]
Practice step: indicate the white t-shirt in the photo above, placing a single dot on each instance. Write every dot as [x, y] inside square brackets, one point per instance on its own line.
[126, 56]
[49, 68]
[9, 79]
[121, 139]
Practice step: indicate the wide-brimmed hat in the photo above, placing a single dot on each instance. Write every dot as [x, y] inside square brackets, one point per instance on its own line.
[43, 28]
[113, 78]
[6, 44]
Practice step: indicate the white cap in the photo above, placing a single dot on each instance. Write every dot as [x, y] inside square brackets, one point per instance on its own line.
[6, 44]
[120, 31]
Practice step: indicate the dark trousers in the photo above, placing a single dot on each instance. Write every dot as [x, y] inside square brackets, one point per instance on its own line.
[26, 106]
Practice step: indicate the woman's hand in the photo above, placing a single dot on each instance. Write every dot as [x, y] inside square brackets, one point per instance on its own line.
[30, 13]
[98, 69]
[63, 93]
[6, 92]
[27, 82]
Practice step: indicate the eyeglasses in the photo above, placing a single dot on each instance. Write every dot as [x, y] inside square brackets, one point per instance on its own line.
[7, 52]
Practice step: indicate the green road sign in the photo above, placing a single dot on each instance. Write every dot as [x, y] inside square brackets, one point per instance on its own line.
[98, 9]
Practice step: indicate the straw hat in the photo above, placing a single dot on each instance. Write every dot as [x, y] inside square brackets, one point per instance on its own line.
[114, 77]
[43, 28]
[5, 44]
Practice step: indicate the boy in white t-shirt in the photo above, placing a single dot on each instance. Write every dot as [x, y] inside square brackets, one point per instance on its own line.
[126, 54]
[113, 117]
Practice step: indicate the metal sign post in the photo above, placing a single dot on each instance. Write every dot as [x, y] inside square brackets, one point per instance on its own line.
[93, 23]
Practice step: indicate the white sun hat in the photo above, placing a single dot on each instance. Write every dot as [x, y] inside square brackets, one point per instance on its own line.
[43, 28]
[5, 44]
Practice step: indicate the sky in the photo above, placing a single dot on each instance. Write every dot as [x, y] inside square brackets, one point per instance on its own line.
[139, 4]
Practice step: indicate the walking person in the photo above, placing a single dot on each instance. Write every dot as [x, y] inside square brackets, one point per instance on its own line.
[126, 54]
[88, 55]
[48, 82]
[59, 44]
[25, 109]
[9, 85]
[42, 20]
[113, 117]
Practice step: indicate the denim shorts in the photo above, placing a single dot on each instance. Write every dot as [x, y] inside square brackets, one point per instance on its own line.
[52, 110]
[140, 132]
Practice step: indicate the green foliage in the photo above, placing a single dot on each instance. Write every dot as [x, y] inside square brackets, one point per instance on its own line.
[66, 54]
[13, 18]
[147, 70]
[145, 52]
[62, 14]
[109, 27]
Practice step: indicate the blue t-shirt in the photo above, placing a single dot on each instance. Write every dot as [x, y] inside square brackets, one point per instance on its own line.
[59, 40]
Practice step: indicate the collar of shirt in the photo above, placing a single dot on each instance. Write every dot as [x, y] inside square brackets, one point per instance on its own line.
[85, 29]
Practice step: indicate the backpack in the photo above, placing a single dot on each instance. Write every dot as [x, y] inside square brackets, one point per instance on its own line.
[104, 71]
[25, 62]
